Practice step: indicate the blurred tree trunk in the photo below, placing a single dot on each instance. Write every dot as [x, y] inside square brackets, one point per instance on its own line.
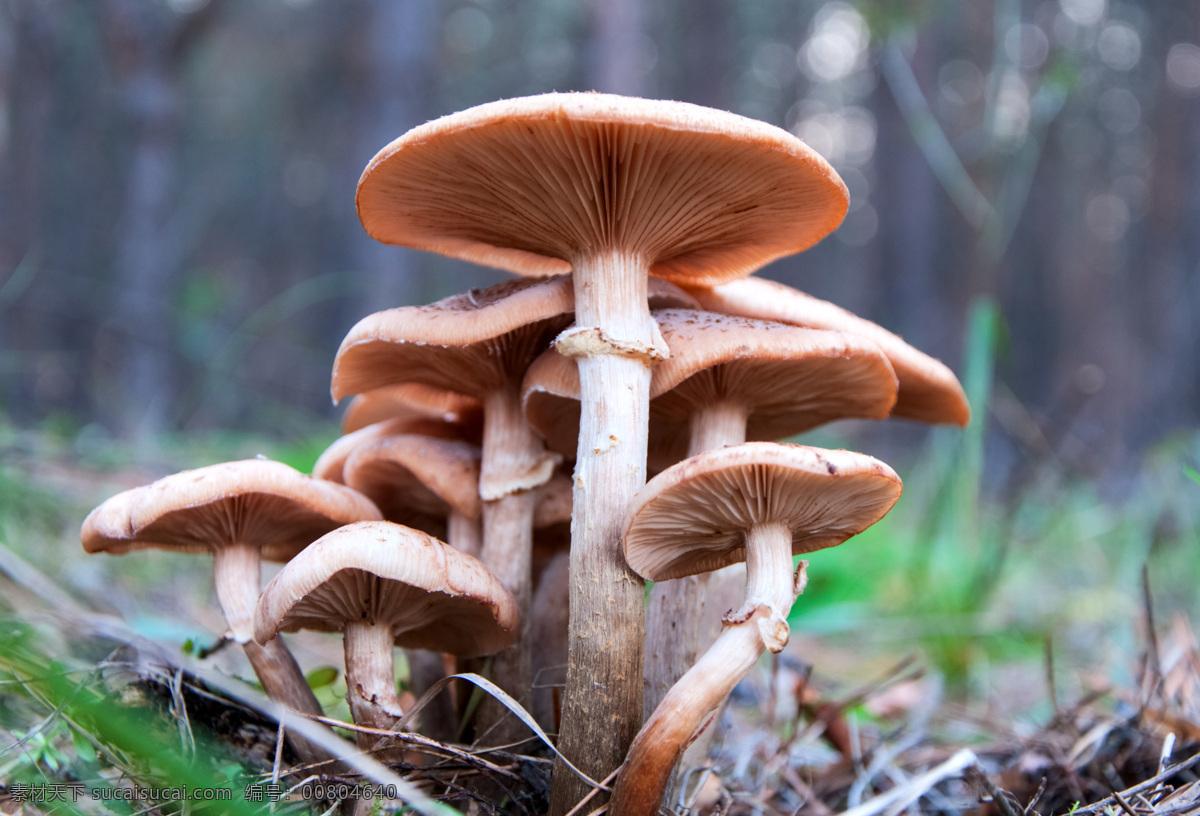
[400, 89]
[148, 46]
[617, 51]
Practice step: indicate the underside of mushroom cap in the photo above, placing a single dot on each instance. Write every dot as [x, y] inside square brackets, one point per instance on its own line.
[254, 501]
[472, 343]
[408, 473]
[529, 184]
[929, 391]
[415, 401]
[431, 595]
[692, 517]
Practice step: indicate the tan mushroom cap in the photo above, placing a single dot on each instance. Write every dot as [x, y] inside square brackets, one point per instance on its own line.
[929, 391]
[410, 474]
[790, 380]
[332, 461]
[530, 184]
[415, 401]
[472, 343]
[431, 595]
[692, 517]
[254, 501]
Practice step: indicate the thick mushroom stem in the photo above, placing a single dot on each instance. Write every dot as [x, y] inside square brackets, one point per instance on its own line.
[614, 341]
[760, 625]
[371, 678]
[237, 575]
[717, 425]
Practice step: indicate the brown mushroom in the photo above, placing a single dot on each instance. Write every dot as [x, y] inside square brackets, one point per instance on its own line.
[929, 391]
[422, 482]
[612, 189]
[384, 585]
[759, 502]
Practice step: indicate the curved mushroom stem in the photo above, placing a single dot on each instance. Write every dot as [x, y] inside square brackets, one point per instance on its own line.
[237, 573]
[371, 678]
[672, 647]
[759, 625]
[615, 343]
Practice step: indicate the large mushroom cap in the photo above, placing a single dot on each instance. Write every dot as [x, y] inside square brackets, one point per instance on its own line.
[431, 595]
[929, 391]
[692, 517]
[529, 184]
[255, 501]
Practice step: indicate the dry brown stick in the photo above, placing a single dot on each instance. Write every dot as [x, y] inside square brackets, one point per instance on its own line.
[1124, 805]
[1141, 786]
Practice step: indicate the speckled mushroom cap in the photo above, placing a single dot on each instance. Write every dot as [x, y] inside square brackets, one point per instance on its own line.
[692, 517]
[254, 501]
[433, 596]
[472, 343]
[409, 474]
[790, 380]
[529, 184]
[415, 401]
[929, 391]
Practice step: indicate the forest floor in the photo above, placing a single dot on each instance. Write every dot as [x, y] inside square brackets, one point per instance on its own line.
[1065, 687]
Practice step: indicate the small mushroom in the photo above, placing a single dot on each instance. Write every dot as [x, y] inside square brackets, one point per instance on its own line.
[240, 512]
[383, 585]
[759, 502]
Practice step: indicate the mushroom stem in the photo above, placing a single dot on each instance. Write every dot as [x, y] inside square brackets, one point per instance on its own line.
[720, 424]
[614, 341]
[464, 534]
[758, 626]
[371, 678]
[508, 553]
[671, 648]
[514, 458]
[237, 573]
[237, 576]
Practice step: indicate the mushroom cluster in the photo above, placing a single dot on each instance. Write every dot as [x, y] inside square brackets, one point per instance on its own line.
[634, 342]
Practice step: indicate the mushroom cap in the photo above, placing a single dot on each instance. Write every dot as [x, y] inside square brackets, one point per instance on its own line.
[408, 474]
[789, 379]
[530, 184]
[253, 501]
[929, 391]
[471, 343]
[692, 517]
[432, 596]
[332, 461]
[415, 401]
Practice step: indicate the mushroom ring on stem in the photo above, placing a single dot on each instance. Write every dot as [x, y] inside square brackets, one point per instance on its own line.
[759, 502]
[384, 585]
[612, 189]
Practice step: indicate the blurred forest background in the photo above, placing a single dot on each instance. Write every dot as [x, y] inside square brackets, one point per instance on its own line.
[179, 248]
